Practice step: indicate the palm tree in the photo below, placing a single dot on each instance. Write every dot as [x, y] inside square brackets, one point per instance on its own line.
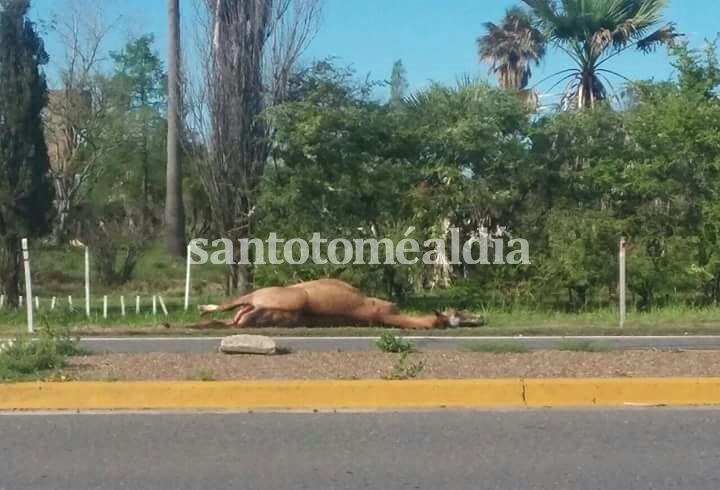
[511, 48]
[592, 32]
[174, 212]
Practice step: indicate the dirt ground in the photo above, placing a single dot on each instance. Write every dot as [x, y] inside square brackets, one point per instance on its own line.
[336, 365]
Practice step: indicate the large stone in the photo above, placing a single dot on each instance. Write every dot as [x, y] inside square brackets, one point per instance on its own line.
[247, 344]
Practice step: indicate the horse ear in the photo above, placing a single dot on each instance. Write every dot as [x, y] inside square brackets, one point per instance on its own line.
[439, 314]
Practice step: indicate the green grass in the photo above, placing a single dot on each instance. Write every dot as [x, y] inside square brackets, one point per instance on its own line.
[25, 358]
[582, 346]
[672, 321]
[496, 347]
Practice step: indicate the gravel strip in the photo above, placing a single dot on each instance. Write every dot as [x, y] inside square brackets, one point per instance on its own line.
[354, 365]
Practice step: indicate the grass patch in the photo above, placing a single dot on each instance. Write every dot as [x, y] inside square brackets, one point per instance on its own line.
[582, 346]
[26, 358]
[393, 344]
[496, 347]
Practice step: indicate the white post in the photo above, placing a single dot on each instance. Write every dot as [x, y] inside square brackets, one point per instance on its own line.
[122, 305]
[154, 305]
[137, 304]
[162, 305]
[87, 282]
[105, 307]
[28, 285]
[187, 280]
[70, 305]
[52, 303]
[37, 303]
[2, 301]
[621, 282]
[21, 301]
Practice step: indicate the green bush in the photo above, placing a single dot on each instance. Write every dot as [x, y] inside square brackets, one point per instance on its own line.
[391, 343]
[26, 357]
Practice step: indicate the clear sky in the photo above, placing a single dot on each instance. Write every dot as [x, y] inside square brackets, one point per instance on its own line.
[434, 38]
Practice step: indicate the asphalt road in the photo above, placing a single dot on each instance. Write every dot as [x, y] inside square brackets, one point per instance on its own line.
[643, 449]
[210, 344]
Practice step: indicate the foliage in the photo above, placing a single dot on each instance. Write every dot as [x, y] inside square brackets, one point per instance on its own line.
[25, 190]
[402, 370]
[592, 32]
[511, 48]
[24, 356]
[390, 343]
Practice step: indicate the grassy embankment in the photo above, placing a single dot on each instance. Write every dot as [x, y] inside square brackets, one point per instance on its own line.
[60, 273]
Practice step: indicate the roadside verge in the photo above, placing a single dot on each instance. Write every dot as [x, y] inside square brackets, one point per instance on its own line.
[360, 394]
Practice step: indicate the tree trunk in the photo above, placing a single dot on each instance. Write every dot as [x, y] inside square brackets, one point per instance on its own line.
[174, 211]
[10, 269]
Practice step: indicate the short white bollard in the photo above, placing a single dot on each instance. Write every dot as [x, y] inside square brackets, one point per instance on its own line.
[162, 305]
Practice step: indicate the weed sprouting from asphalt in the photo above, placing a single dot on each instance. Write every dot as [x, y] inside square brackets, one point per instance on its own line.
[393, 344]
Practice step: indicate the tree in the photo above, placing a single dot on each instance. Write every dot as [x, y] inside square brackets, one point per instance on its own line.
[592, 32]
[511, 48]
[137, 93]
[25, 188]
[398, 82]
[174, 210]
[77, 116]
[252, 48]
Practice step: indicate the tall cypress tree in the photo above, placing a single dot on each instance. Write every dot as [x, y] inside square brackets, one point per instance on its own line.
[25, 188]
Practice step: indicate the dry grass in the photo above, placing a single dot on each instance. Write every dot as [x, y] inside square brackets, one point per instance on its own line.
[355, 365]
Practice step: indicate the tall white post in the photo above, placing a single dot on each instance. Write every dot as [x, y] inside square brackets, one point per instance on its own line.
[28, 285]
[105, 307]
[87, 282]
[52, 303]
[154, 300]
[70, 304]
[37, 303]
[122, 306]
[187, 279]
[137, 304]
[621, 282]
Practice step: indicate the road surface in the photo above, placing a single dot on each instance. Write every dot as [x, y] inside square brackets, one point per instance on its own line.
[629, 449]
[210, 344]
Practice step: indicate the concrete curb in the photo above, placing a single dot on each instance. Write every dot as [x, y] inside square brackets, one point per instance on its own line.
[361, 394]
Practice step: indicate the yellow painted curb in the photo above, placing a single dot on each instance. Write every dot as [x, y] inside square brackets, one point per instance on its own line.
[361, 394]
[228, 395]
[622, 391]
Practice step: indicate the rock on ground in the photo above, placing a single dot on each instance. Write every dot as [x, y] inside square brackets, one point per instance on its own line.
[247, 344]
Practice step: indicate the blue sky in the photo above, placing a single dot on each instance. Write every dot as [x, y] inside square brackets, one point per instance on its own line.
[434, 38]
